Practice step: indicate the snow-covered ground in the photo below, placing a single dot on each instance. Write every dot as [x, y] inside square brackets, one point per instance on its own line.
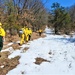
[59, 50]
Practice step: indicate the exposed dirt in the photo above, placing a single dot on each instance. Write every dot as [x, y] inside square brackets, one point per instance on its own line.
[8, 64]
[36, 36]
[40, 60]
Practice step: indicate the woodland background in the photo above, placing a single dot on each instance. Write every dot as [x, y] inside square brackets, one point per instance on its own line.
[15, 14]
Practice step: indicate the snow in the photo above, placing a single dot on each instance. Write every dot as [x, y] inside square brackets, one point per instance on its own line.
[62, 57]
[2, 66]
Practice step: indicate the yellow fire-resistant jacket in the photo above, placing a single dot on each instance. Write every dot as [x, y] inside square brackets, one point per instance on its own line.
[30, 31]
[2, 32]
[26, 31]
[22, 36]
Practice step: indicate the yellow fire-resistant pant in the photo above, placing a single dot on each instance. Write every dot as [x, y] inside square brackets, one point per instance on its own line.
[22, 39]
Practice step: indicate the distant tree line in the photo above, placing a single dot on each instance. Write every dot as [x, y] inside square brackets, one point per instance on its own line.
[62, 19]
[19, 13]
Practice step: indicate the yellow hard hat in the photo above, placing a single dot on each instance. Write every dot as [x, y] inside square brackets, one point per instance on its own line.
[0, 24]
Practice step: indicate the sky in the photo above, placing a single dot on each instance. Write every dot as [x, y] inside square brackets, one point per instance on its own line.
[64, 3]
[59, 51]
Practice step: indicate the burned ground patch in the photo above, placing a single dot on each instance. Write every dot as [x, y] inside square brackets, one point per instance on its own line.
[15, 46]
[7, 64]
[40, 60]
[25, 49]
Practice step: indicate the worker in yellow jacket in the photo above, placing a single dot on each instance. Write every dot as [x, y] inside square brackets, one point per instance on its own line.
[30, 33]
[40, 32]
[2, 36]
[22, 36]
[26, 34]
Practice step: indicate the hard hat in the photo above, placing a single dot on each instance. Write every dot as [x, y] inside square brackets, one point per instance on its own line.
[0, 24]
[21, 31]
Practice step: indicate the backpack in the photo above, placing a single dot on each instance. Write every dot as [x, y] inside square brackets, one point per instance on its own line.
[20, 33]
